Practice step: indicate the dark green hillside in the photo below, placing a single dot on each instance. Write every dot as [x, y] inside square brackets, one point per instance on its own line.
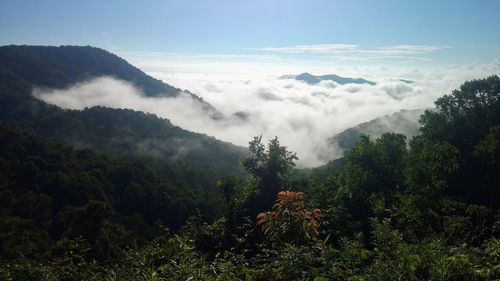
[59, 67]
[126, 132]
[51, 192]
[117, 131]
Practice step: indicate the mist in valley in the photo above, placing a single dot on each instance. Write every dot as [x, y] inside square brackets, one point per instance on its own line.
[301, 115]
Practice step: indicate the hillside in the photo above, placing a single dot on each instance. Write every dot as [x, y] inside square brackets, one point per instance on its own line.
[388, 210]
[61, 67]
[56, 183]
[403, 122]
[117, 131]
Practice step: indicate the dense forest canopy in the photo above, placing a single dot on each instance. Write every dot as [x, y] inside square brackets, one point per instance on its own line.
[80, 201]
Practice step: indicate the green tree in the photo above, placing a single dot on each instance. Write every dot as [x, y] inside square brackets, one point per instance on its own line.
[463, 119]
[465, 116]
[270, 168]
[373, 175]
[488, 154]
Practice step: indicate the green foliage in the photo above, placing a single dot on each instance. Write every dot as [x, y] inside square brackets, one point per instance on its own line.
[372, 178]
[270, 167]
[466, 115]
[463, 119]
[429, 164]
[52, 192]
[390, 211]
[210, 239]
[487, 154]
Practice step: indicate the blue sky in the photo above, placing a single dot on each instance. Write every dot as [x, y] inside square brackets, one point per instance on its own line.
[347, 31]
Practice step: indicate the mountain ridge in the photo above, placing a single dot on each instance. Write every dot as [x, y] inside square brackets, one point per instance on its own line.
[315, 79]
[404, 122]
[115, 131]
[63, 66]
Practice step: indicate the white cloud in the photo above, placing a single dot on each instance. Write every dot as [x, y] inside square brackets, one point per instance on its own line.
[316, 48]
[414, 48]
[279, 60]
[303, 116]
[355, 52]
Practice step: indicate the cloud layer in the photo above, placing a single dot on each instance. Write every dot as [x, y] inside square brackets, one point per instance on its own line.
[303, 116]
[355, 52]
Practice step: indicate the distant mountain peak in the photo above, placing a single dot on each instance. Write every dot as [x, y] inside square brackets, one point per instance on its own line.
[314, 79]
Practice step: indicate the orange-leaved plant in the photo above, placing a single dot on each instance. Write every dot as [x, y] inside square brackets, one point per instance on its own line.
[290, 221]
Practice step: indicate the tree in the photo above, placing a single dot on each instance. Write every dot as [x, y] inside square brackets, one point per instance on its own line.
[269, 168]
[465, 116]
[373, 174]
[428, 166]
[463, 119]
[488, 154]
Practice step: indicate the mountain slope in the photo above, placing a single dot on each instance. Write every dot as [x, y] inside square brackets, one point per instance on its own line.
[404, 122]
[61, 67]
[117, 131]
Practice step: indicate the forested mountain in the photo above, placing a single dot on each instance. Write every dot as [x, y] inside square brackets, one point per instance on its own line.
[59, 192]
[403, 122]
[118, 131]
[61, 67]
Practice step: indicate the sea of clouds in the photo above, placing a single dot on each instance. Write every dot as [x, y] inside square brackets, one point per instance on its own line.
[302, 116]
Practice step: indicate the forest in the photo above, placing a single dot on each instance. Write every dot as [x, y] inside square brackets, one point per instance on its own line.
[425, 208]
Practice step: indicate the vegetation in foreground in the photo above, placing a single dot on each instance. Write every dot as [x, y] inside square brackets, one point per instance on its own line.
[423, 209]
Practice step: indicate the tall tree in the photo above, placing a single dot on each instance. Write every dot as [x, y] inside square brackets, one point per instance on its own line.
[269, 167]
[465, 116]
[463, 119]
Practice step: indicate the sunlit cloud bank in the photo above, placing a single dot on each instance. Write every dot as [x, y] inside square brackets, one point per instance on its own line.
[302, 116]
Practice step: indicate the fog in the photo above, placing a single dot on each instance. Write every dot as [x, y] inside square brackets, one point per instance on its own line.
[302, 116]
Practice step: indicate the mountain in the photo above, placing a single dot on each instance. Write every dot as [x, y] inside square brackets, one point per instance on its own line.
[61, 67]
[404, 122]
[117, 131]
[313, 79]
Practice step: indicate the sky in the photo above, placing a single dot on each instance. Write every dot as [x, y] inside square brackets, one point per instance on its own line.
[283, 33]
[234, 54]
